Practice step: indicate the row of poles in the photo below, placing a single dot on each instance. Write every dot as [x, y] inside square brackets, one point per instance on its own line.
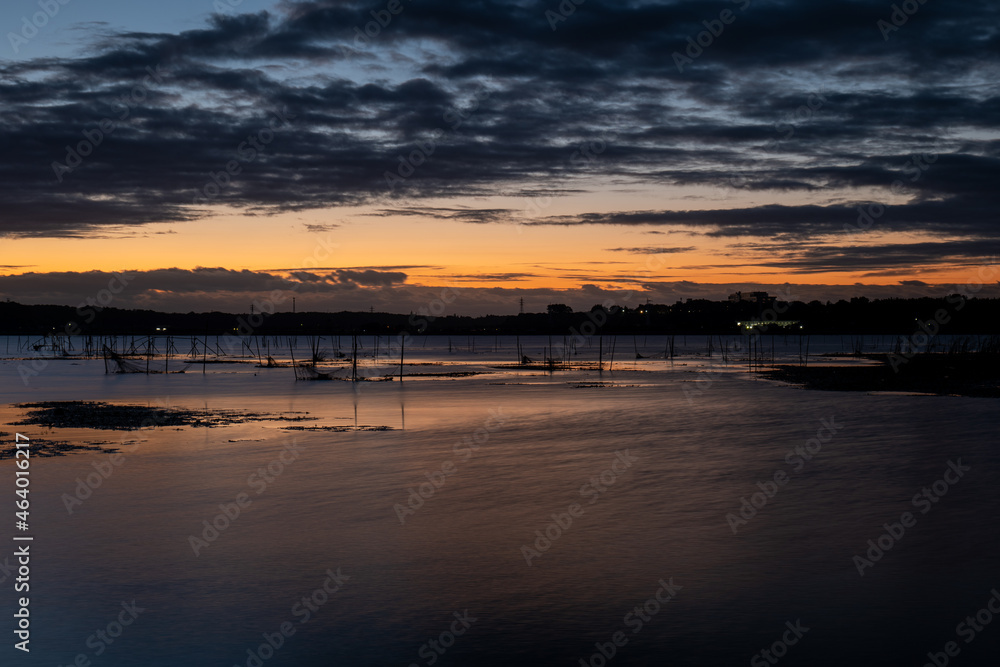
[148, 347]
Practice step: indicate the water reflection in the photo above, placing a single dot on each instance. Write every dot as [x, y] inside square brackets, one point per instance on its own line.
[664, 518]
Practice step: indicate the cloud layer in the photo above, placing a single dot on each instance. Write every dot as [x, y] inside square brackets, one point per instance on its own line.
[799, 99]
[218, 289]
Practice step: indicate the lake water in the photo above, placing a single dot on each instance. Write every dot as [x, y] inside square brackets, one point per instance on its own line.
[678, 442]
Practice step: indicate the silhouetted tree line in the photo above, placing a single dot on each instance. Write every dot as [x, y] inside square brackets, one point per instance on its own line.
[694, 316]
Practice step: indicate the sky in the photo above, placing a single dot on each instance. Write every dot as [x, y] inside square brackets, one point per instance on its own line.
[382, 153]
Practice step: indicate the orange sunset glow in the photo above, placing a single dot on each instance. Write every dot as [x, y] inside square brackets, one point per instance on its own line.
[377, 179]
[492, 333]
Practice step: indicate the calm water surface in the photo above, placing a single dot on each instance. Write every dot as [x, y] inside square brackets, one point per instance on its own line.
[699, 435]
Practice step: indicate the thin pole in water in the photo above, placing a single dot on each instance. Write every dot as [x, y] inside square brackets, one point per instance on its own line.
[354, 362]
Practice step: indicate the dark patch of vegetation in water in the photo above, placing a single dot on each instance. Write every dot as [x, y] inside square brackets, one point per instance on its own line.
[108, 416]
[43, 448]
[963, 374]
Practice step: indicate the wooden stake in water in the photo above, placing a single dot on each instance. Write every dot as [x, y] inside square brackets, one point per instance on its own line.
[354, 360]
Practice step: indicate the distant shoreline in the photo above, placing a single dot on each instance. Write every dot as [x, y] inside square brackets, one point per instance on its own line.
[886, 317]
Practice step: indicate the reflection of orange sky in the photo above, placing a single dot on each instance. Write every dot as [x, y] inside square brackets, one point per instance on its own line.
[435, 252]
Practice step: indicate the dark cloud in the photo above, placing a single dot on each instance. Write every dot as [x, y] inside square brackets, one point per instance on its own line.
[794, 99]
[653, 250]
[912, 257]
[978, 219]
[484, 277]
[207, 289]
[474, 216]
[369, 278]
[398, 267]
[199, 283]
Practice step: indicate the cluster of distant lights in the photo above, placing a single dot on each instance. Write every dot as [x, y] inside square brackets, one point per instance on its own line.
[754, 324]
